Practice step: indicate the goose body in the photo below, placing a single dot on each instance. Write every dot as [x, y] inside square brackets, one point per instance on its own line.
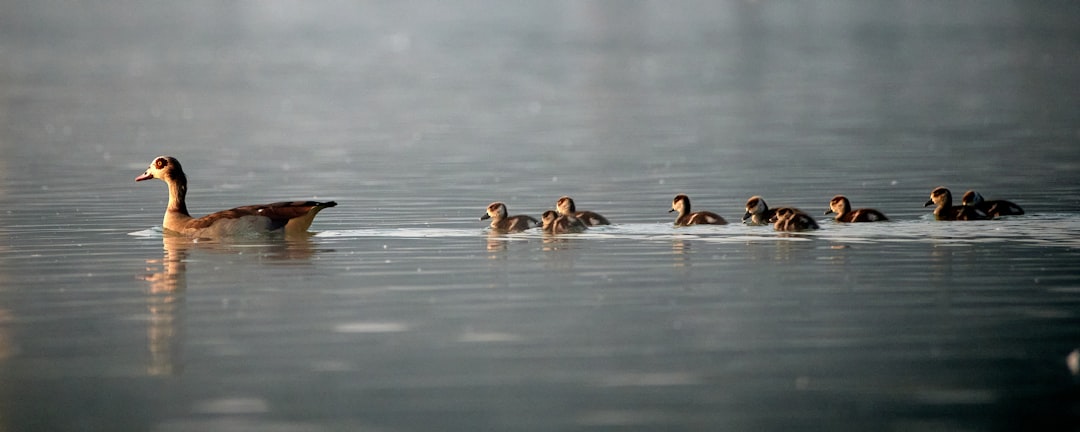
[502, 222]
[842, 207]
[681, 204]
[942, 198]
[289, 217]
[565, 206]
[992, 208]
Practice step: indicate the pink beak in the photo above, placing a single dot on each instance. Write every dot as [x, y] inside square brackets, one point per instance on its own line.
[144, 176]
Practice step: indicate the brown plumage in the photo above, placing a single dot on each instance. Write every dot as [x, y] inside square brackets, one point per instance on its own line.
[941, 197]
[565, 206]
[681, 204]
[992, 208]
[790, 219]
[842, 207]
[759, 213]
[290, 217]
[554, 223]
[501, 222]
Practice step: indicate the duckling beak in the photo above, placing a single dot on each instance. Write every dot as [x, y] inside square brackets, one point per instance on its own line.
[671, 211]
[144, 176]
[929, 203]
[746, 216]
[485, 216]
[828, 212]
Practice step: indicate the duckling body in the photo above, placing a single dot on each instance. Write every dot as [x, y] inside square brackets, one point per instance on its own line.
[790, 219]
[565, 206]
[842, 208]
[992, 208]
[288, 217]
[759, 213]
[502, 222]
[681, 204]
[554, 223]
[942, 198]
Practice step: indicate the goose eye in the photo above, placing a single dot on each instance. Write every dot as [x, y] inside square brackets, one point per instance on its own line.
[160, 163]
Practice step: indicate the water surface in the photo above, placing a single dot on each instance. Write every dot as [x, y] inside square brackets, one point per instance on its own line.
[402, 312]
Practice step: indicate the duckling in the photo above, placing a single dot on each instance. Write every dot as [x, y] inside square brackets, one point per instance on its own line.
[941, 197]
[500, 222]
[565, 206]
[759, 213]
[842, 207]
[553, 223]
[992, 208]
[681, 204]
[789, 219]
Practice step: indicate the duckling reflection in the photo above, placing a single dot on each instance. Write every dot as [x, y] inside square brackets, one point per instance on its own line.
[7, 342]
[496, 242]
[680, 253]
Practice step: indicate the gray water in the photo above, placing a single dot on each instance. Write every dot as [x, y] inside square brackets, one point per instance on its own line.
[402, 313]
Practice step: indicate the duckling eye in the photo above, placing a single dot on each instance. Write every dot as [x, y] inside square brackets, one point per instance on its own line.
[160, 163]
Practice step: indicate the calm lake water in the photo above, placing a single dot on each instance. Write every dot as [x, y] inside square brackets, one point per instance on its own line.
[402, 313]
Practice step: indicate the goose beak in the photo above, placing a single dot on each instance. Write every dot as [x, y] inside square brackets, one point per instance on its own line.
[144, 176]
[828, 211]
[928, 203]
[485, 216]
[671, 211]
[746, 216]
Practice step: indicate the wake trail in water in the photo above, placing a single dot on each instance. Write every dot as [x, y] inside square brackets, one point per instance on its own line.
[1039, 229]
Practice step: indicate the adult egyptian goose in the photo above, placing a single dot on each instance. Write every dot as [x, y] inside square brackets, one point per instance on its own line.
[554, 223]
[842, 207]
[565, 206]
[681, 204]
[992, 208]
[281, 217]
[501, 222]
[941, 197]
[789, 219]
[759, 213]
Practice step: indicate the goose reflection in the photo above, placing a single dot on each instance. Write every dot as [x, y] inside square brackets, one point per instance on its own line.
[167, 279]
[165, 303]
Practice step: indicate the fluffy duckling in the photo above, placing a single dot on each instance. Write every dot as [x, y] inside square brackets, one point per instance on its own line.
[759, 213]
[565, 206]
[500, 222]
[842, 207]
[681, 204]
[789, 219]
[992, 208]
[942, 198]
[288, 217]
[553, 223]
